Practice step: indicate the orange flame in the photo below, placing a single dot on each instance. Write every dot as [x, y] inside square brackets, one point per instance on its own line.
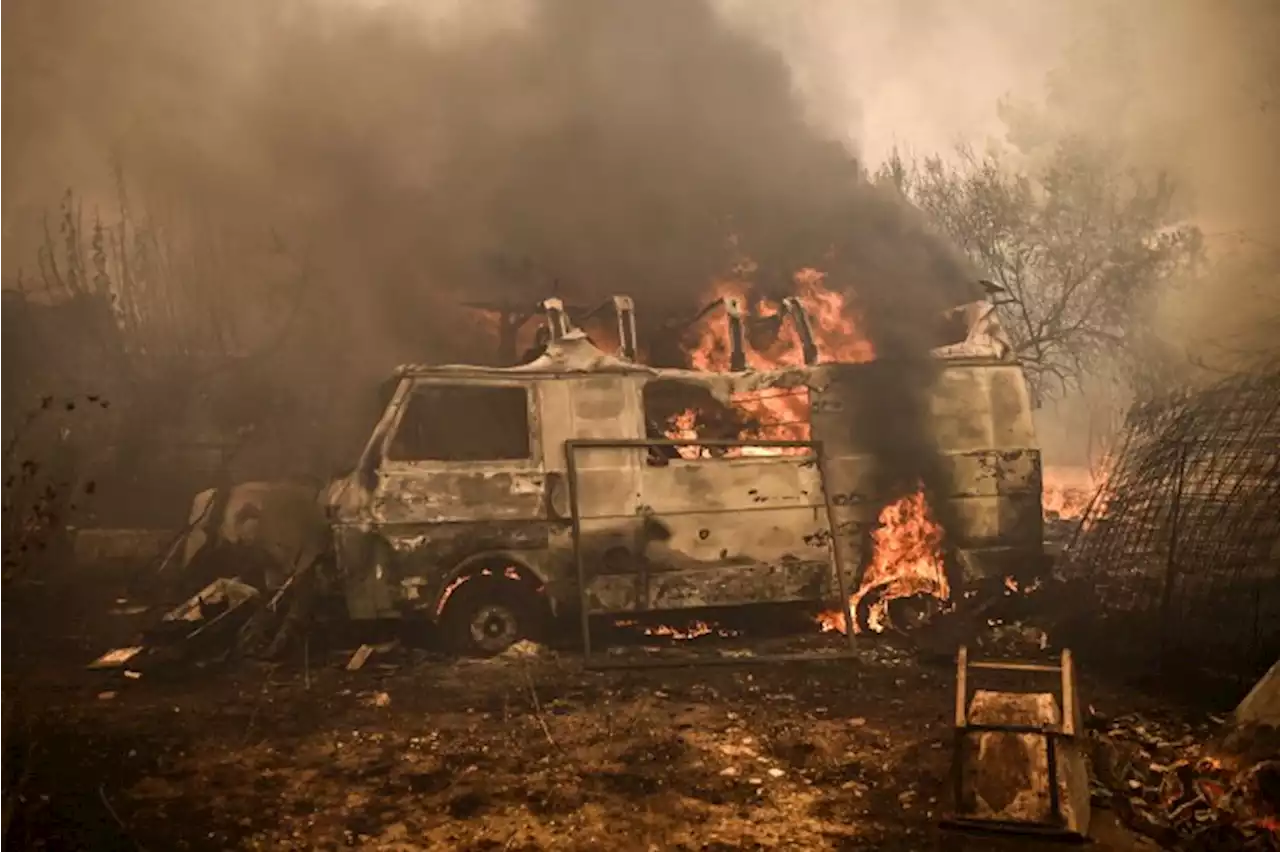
[781, 415]
[1067, 491]
[907, 555]
[906, 561]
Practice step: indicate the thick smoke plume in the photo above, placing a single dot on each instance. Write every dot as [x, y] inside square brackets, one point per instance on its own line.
[593, 148]
[571, 146]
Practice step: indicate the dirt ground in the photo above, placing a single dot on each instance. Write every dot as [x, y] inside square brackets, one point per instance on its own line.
[528, 751]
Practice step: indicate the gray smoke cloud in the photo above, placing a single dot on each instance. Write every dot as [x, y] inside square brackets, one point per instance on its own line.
[1184, 87]
[600, 147]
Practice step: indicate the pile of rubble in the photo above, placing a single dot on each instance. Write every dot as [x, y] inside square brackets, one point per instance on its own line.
[1185, 788]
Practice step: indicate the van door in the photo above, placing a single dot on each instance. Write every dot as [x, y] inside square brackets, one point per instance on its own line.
[602, 407]
[459, 452]
[460, 473]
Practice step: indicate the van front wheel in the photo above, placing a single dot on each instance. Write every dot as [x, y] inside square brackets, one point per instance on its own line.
[485, 617]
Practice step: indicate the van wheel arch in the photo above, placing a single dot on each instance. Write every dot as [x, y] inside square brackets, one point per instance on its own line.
[490, 602]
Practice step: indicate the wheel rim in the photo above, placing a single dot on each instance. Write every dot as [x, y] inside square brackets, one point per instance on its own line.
[494, 628]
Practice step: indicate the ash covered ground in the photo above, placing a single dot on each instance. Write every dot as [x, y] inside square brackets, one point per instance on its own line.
[527, 751]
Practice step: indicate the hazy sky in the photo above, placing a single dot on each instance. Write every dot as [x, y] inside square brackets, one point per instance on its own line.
[920, 75]
[923, 74]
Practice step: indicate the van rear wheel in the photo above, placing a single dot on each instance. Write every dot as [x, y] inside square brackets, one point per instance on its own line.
[485, 616]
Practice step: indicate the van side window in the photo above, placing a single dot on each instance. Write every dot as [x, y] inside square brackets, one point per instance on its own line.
[463, 423]
[675, 409]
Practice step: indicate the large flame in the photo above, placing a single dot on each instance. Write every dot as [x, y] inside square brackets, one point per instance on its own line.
[906, 561]
[777, 415]
[907, 556]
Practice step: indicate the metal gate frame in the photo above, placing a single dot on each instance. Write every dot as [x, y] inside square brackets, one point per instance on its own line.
[571, 447]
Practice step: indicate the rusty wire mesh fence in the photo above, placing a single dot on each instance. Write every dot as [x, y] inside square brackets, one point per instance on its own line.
[1180, 550]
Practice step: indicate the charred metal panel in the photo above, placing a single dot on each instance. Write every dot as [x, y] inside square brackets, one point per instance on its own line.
[423, 562]
[438, 549]
[997, 520]
[960, 412]
[996, 498]
[710, 586]
[706, 521]
[1012, 424]
[733, 510]
[733, 485]
[729, 585]
[982, 406]
[615, 593]
[980, 424]
[408, 567]
[679, 541]
[362, 563]
[555, 406]
[443, 496]
[849, 469]
[990, 473]
[1024, 564]
[605, 407]
[607, 479]
[995, 490]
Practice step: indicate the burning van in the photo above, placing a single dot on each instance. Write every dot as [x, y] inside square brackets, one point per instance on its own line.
[586, 483]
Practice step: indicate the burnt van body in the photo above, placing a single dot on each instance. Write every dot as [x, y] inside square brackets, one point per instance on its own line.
[489, 496]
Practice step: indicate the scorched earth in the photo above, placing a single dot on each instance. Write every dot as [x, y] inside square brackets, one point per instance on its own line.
[527, 751]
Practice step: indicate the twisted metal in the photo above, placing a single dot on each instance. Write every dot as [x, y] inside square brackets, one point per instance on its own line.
[1181, 545]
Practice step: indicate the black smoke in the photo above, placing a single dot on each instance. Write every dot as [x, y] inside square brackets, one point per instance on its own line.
[599, 147]
[593, 147]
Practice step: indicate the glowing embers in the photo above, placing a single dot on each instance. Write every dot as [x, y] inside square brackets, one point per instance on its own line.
[677, 632]
[906, 565]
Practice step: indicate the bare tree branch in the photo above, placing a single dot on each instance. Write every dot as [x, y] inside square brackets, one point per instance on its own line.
[1079, 246]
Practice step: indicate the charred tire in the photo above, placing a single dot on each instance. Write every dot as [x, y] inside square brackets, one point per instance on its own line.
[487, 615]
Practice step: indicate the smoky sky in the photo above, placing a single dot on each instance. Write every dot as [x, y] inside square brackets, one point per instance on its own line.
[588, 148]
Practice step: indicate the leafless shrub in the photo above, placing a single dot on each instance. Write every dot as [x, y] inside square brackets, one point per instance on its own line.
[1078, 247]
[172, 323]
